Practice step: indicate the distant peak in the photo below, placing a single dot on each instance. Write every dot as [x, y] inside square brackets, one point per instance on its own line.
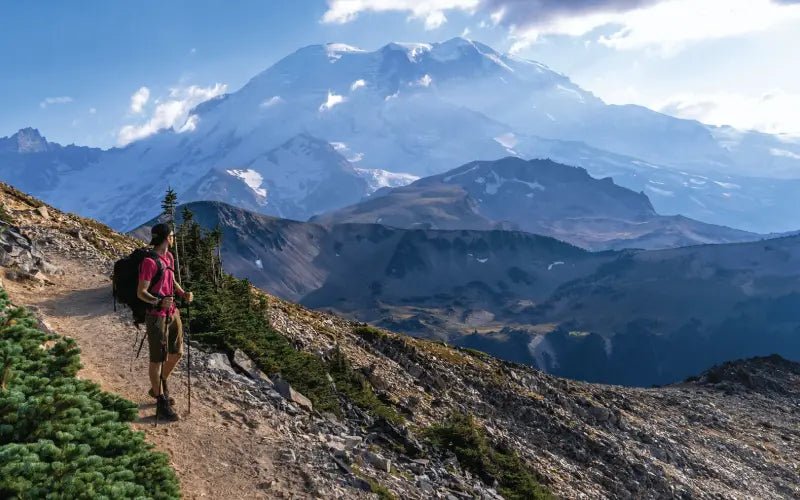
[304, 143]
[458, 42]
[341, 47]
[27, 140]
[29, 131]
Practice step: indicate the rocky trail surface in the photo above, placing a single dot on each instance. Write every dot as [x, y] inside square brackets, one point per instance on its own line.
[733, 432]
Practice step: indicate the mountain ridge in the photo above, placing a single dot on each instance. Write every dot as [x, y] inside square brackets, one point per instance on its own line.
[536, 196]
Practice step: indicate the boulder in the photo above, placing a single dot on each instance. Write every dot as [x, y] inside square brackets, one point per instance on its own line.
[377, 461]
[288, 393]
[243, 362]
[219, 361]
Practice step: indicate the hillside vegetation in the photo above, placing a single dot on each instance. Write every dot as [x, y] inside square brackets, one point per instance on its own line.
[62, 437]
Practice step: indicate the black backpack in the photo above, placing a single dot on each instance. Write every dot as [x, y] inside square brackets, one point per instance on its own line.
[125, 280]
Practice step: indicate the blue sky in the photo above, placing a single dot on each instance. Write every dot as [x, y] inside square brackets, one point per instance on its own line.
[71, 69]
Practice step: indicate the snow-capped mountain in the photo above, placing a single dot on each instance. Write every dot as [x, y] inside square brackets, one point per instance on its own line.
[424, 109]
[377, 178]
[31, 163]
[302, 177]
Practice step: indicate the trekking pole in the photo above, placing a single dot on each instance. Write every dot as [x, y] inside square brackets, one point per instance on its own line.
[135, 341]
[161, 368]
[186, 331]
[178, 250]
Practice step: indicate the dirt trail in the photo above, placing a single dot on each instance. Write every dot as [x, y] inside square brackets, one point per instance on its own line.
[218, 451]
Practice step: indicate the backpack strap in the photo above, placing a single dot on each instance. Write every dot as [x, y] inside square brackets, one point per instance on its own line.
[159, 270]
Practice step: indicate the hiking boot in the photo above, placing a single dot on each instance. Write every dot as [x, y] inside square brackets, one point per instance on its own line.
[164, 410]
[169, 398]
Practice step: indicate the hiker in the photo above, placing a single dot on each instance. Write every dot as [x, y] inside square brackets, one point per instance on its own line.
[163, 319]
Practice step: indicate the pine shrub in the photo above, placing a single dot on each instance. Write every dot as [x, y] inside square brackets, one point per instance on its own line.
[227, 314]
[467, 440]
[61, 437]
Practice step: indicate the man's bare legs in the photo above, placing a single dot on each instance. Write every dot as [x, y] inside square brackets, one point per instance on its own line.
[169, 365]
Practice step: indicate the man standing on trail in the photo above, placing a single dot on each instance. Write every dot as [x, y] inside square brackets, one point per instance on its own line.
[163, 320]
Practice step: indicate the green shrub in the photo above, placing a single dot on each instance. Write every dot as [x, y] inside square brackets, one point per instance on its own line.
[461, 435]
[355, 387]
[5, 216]
[229, 315]
[61, 437]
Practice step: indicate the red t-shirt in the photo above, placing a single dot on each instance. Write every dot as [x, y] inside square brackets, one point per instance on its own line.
[165, 285]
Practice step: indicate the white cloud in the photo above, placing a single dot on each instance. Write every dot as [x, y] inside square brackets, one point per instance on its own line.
[655, 25]
[139, 100]
[92, 111]
[172, 112]
[272, 101]
[698, 20]
[425, 81]
[431, 12]
[357, 85]
[55, 100]
[774, 112]
[332, 101]
[784, 153]
[668, 25]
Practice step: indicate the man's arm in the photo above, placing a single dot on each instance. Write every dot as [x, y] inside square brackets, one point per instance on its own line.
[144, 295]
[181, 292]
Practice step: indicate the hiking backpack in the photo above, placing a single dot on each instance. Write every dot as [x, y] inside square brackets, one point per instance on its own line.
[125, 280]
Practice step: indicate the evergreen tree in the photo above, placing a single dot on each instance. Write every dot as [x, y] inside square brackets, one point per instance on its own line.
[169, 203]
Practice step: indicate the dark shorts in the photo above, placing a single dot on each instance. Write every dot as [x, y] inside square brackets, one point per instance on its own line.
[155, 335]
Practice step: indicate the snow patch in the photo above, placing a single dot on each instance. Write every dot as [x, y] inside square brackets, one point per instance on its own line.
[450, 177]
[573, 92]
[272, 101]
[190, 125]
[662, 192]
[700, 203]
[494, 184]
[335, 51]
[554, 264]
[507, 140]
[333, 100]
[784, 153]
[483, 260]
[425, 81]
[499, 62]
[727, 185]
[259, 264]
[252, 178]
[343, 149]
[377, 178]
